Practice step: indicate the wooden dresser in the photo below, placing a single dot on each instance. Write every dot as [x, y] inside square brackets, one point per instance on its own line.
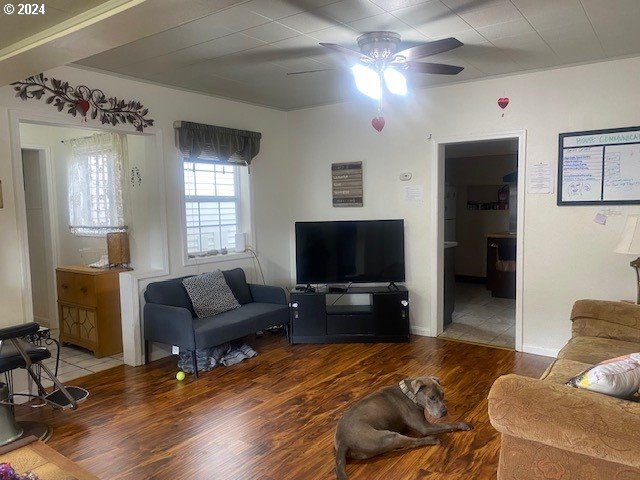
[89, 308]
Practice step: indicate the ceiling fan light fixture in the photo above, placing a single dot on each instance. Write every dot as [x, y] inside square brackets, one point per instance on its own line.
[367, 81]
[395, 81]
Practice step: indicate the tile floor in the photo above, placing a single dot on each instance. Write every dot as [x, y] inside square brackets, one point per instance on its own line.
[77, 362]
[480, 318]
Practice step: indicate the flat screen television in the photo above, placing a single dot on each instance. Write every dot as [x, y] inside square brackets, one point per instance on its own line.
[350, 251]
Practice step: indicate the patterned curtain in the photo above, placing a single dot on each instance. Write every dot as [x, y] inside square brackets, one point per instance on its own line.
[220, 144]
[95, 182]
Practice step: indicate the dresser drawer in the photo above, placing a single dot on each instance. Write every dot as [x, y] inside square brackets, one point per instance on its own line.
[76, 288]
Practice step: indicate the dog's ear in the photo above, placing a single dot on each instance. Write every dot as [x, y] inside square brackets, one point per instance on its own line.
[436, 379]
[416, 384]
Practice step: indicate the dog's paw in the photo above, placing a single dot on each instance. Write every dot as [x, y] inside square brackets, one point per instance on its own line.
[431, 440]
[464, 426]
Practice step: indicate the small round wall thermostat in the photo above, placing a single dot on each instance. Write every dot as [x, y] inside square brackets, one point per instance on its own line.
[404, 176]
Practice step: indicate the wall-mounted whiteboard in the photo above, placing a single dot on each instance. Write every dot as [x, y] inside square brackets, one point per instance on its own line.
[599, 167]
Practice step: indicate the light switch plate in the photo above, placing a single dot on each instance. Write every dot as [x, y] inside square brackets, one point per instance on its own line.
[175, 350]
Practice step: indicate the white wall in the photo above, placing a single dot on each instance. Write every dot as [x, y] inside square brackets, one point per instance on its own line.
[165, 105]
[566, 257]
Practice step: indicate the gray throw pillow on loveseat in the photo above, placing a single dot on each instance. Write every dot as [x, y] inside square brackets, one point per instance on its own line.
[210, 294]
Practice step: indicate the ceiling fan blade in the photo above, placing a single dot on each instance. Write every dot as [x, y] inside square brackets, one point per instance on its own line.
[430, 48]
[311, 71]
[436, 68]
[344, 50]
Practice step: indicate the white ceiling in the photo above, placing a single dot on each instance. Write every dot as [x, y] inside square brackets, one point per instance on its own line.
[245, 51]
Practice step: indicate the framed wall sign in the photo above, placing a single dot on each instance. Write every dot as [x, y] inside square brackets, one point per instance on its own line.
[346, 184]
[599, 167]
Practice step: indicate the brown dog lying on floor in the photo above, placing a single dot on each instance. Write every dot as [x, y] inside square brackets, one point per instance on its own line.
[371, 426]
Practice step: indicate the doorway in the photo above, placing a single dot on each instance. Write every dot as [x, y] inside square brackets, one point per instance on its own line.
[67, 180]
[479, 208]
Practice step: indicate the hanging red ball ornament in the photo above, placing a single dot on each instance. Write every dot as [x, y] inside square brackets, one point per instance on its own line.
[378, 123]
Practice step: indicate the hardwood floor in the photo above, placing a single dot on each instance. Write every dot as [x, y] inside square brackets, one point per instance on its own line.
[273, 416]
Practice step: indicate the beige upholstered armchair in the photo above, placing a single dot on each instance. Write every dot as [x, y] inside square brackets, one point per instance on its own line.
[552, 431]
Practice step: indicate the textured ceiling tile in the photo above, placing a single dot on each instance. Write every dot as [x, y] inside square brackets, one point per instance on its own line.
[308, 22]
[383, 21]
[390, 5]
[343, 35]
[302, 42]
[575, 42]
[612, 10]
[528, 50]
[616, 25]
[487, 58]
[274, 9]
[464, 5]
[152, 46]
[506, 29]
[543, 14]
[620, 43]
[350, 10]
[433, 19]
[468, 37]
[271, 32]
[491, 14]
[239, 18]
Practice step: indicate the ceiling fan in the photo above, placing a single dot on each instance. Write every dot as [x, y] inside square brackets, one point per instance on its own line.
[380, 64]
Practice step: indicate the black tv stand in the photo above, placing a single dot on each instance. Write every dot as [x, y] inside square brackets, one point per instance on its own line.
[337, 289]
[384, 319]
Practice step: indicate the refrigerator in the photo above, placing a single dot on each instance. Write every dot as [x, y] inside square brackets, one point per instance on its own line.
[450, 199]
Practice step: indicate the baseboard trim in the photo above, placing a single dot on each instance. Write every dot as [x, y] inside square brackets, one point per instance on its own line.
[421, 331]
[471, 279]
[41, 320]
[544, 351]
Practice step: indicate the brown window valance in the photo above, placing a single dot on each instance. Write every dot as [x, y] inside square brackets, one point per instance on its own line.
[220, 144]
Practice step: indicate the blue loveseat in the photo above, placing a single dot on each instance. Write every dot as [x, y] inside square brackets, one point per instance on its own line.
[169, 317]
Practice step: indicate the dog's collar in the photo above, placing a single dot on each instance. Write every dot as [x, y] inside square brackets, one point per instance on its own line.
[408, 393]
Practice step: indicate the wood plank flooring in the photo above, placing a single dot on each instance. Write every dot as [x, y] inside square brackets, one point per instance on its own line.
[273, 417]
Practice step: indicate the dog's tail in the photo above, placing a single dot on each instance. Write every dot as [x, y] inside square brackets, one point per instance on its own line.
[341, 461]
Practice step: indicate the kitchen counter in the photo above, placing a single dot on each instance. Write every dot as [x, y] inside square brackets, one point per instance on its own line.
[501, 235]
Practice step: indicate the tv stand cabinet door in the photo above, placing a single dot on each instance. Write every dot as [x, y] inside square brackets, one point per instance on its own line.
[309, 318]
[391, 316]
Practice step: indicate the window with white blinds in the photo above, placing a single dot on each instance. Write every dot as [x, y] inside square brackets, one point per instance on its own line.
[212, 206]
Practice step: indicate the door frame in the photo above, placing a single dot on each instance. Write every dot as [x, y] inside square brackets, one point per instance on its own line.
[436, 243]
[131, 325]
[52, 210]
